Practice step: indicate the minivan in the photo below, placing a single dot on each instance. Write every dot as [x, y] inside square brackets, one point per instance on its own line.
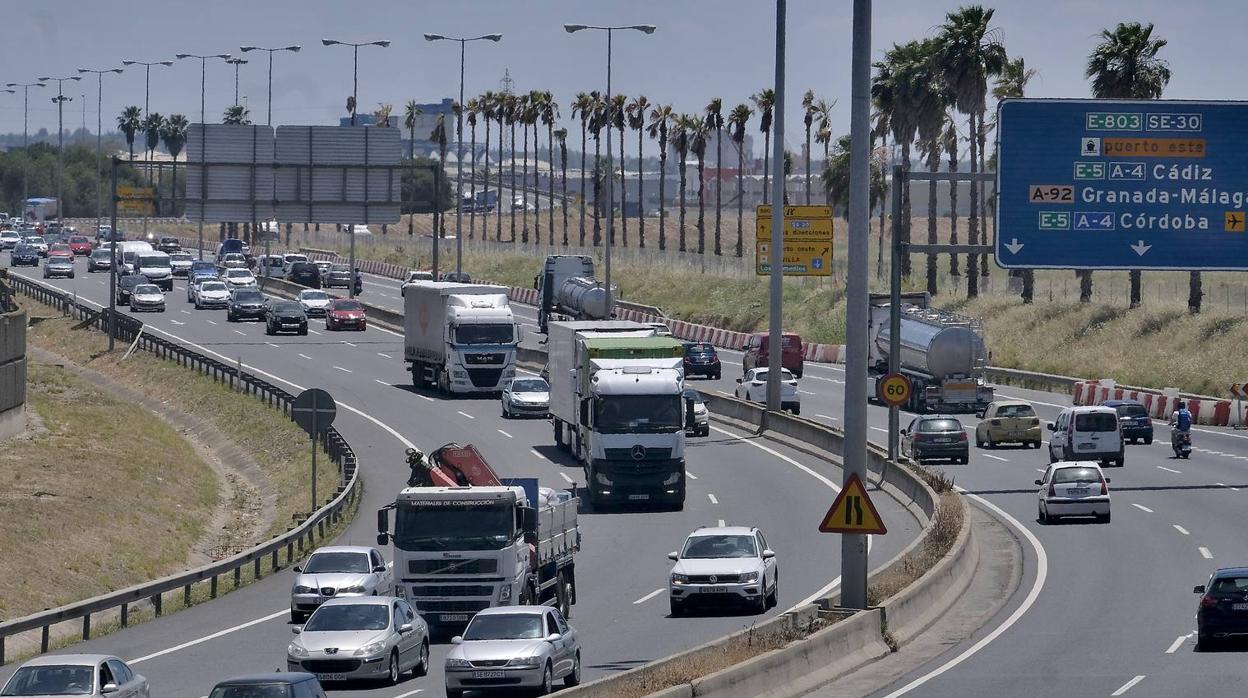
[756, 353]
[1086, 433]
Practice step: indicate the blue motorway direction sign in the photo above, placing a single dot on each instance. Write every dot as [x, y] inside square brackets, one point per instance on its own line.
[1122, 184]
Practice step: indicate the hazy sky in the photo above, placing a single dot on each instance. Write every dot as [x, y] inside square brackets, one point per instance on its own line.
[703, 48]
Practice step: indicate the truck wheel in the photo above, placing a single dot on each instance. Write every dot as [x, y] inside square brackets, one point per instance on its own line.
[563, 592]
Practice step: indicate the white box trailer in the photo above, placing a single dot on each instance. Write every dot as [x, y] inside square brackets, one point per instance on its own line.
[459, 338]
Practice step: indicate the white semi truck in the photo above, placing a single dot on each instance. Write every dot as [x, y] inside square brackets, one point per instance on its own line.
[616, 399]
[459, 338]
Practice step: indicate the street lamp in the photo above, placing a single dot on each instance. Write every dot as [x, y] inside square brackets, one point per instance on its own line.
[355, 101]
[459, 146]
[236, 62]
[645, 29]
[112, 267]
[25, 132]
[247, 49]
[60, 99]
[147, 90]
[203, 134]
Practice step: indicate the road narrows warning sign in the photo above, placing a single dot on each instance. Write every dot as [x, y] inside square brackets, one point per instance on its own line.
[853, 512]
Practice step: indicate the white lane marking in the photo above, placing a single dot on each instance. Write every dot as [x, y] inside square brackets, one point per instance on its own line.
[880, 429]
[1180, 529]
[1042, 572]
[725, 394]
[240, 332]
[989, 455]
[1170, 470]
[409, 693]
[805, 392]
[426, 398]
[1204, 552]
[567, 479]
[1141, 507]
[827, 417]
[538, 453]
[1216, 453]
[384, 356]
[305, 356]
[176, 322]
[347, 343]
[185, 311]
[381, 382]
[690, 475]
[465, 414]
[712, 498]
[647, 597]
[1223, 484]
[1128, 685]
[314, 332]
[721, 523]
[273, 345]
[212, 322]
[504, 433]
[1178, 642]
[213, 636]
[344, 370]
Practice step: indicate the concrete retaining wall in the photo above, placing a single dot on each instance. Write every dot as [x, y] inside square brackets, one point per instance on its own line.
[12, 373]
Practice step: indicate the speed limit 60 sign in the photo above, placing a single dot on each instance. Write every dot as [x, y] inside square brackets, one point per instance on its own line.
[893, 389]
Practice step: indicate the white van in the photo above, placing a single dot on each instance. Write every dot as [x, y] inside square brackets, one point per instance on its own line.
[127, 250]
[290, 258]
[1086, 433]
[157, 267]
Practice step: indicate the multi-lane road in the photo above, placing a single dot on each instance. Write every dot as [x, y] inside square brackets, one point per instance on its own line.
[621, 612]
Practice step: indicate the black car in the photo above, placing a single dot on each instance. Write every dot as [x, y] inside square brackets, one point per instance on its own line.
[23, 255]
[280, 684]
[169, 245]
[1223, 610]
[1133, 419]
[936, 437]
[701, 360]
[246, 303]
[304, 274]
[126, 284]
[285, 316]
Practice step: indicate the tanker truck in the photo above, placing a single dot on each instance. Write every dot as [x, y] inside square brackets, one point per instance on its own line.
[567, 290]
[942, 353]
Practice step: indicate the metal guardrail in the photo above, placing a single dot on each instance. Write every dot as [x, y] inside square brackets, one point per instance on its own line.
[300, 537]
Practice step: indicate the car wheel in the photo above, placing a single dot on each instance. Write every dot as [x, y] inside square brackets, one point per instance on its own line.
[392, 676]
[304, 332]
[454, 693]
[574, 677]
[1119, 461]
[1204, 643]
[422, 666]
[760, 606]
[677, 608]
[716, 376]
[978, 442]
[1148, 441]
[548, 682]
[1104, 518]
[229, 317]
[1041, 515]
[989, 443]
[774, 597]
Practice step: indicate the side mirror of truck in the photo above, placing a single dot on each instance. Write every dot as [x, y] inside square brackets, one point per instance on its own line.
[528, 519]
[585, 413]
[519, 333]
[383, 538]
[383, 522]
[690, 417]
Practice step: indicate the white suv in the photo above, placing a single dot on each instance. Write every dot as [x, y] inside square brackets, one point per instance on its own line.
[724, 565]
[1086, 433]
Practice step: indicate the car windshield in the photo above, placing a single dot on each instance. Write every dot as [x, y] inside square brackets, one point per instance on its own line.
[1131, 411]
[34, 240]
[59, 247]
[785, 374]
[292, 258]
[51, 680]
[237, 274]
[630, 414]
[211, 286]
[154, 261]
[930, 425]
[269, 690]
[314, 296]
[78, 239]
[353, 616]
[466, 525]
[23, 249]
[234, 257]
[102, 254]
[529, 385]
[1015, 411]
[60, 262]
[348, 305]
[146, 288]
[711, 547]
[337, 562]
[1062, 475]
[1096, 421]
[199, 265]
[505, 627]
[180, 257]
[340, 268]
[484, 334]
[248, 296]
[287, 307]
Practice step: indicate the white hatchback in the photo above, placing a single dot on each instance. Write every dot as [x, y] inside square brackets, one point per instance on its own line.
[239, 278]
[1073, 488]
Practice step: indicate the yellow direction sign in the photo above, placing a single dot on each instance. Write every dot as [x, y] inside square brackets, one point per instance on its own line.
[128, 192]
[764, 211]
[853, 512]
[805, 229]
[135, 200]
[894, 389]
[799, 258]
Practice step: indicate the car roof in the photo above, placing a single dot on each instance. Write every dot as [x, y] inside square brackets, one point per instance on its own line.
[933, 417]
[1062, 464]
[276, 677]
[723, 531]
[54, 659]
[344, 549]
[1116, 403]
[1089, 408]
[360, 601]
[1002, 403]
[1229, 571]
[512, 611]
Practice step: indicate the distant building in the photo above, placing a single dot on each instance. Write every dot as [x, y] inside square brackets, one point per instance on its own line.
[729, 150]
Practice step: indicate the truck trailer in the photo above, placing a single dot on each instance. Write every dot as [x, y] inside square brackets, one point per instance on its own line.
[567, 290]
[459, 338]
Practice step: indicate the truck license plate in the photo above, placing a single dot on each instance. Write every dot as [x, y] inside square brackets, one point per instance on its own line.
[1239, 607]
[639, 497]
[453, 617]
[488, 674]
[329, 677]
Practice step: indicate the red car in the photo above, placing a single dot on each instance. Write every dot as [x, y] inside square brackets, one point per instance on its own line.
[60, 249]
[345, 312]
[80, 245]
[756, 353]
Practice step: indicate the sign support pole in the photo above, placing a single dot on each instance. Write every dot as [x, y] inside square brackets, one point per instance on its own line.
[894, 309]
[775, 326]
[314, 426]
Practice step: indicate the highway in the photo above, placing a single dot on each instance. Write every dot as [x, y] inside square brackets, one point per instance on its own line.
[621, 614]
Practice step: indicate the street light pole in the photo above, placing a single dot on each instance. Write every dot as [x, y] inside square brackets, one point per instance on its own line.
[459, 147]
[248, 49]
[776, 314]
[25, 135]
[147, 93]
[112, 267]
[236, 62]
[645, 29]
[355, 105]
[60, 99]
[203, 134]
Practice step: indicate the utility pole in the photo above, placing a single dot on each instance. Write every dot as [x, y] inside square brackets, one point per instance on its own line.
[25, 136]
[60, 99]
[775, 326]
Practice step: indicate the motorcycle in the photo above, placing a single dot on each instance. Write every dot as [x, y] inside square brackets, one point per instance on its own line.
[1181, 443]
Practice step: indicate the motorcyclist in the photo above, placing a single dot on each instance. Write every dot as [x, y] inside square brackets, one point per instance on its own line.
[1181, 420]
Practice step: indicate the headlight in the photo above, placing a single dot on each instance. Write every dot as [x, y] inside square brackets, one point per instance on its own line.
[749, 577]
[371, 649]
[357, 589]
[504, 594]
[535, 660]
[296, 650]
[305, 590]
[455, 663]
[680, 578]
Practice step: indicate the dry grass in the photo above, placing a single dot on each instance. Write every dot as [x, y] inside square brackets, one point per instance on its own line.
[99, 495]
[937, 543]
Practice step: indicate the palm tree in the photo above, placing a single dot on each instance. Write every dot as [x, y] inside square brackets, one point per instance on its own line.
[597, 121]
[584, 106]
[1010, 84]
[969, 53]
[765, 102]
[549, 113]
[237, 115]
[488, 103]
[410, 114]
[931, 98]
[438, 135]
[809, 112]
[681, 135]
[152, 126]
[1125, 66]
[513, 111]
[737, 119]
[715, 122]
[949, 138]
[823, 129]
[500, 111]
[130, 121]
[880, 130]
[174, 135]
[896, 92]
[661, 117]
[698, 131]
[617, 119]
[473, 108]
[561, 134]
[636, 111]
[527, 117]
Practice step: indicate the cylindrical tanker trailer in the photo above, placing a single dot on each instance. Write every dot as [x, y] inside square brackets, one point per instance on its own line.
[567, 290]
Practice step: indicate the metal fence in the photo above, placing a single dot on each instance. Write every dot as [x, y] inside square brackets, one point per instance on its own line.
[294, 542]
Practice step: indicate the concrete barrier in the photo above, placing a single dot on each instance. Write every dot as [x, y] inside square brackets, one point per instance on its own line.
[12, 373]
[915, 608]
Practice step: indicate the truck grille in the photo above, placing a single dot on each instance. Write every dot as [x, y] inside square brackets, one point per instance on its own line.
[478, 566]
[483, 358]
[330, 666]
[453, 591]
[484, 377]
[627, 454]
[452, 606]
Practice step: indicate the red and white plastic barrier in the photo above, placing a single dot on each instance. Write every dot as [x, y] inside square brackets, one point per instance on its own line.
[1160, 405]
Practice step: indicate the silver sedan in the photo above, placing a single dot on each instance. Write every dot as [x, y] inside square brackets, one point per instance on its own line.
[371, 637]
[526, 397]
[525, 647]
[77, 675]
[338, 570]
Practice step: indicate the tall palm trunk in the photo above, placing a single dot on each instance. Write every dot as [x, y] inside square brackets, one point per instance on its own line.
[953, 214]
[766, 160]
[563, 166]
[583, 149]
[807, 163]
[879, 252]
[598, 187]
[524, 183]
[933, 166]
[513, 181]
[550, 219]
[472, 212]
[498, 221]
[701, 205]
[905, 208]
[981, 135]
[683, 159]
[662, 192]
[411, 159]
[485, 219]
[972, 223]
[641, 199]
[740, 199]
[623, 193]
[719, 185]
